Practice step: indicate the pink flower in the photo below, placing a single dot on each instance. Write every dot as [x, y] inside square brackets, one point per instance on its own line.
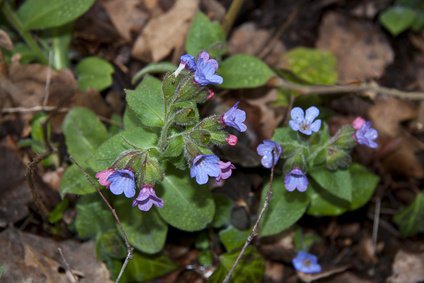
[231, 140]
[103, 175]
[358, 123]
[210, 95]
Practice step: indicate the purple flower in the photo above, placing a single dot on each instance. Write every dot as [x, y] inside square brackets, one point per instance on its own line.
[226, 171]
[147, 198]
[296, 179]
[103, 175]
[186, 62]
[306, 263]
[205, 165]
[267, 149]
[305, 122]
[235, 118]
[206, 69]
[122, 181]
[366, 135]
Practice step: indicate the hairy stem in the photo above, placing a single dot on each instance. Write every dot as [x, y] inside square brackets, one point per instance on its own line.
[118, 221]
[231, 15]
[255, 228]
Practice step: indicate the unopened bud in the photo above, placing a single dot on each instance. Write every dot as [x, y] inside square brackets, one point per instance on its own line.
[211, 94]
[231, 140]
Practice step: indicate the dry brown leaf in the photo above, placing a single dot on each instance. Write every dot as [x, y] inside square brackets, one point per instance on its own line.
[165, 33]
[126, 16]
[214, 9]
[30, 258]
[362, 50]
[347, 277]
[249, 39]
[274, 271]
[5, 40]
[407, 268]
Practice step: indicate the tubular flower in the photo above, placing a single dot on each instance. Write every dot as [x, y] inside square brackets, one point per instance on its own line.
[269, 150]
[306, 263]
[186, 62]
[364, 134]
[205, 166]
[234, 118]
[304, 122]
[296, 179]
[147, 198]
[122, 181]
[206, 69]
[226, 171]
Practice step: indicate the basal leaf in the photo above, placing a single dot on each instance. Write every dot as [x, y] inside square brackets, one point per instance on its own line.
[143, 268]
[244, 71]
[187, 207]
[411, 218]
[94, 72]
[147, 102]
[337, 182]
[75, 182]
[84, 132]
[233, 238]
[41, 14]
[364, 184]
[397, 19]
[285, 208]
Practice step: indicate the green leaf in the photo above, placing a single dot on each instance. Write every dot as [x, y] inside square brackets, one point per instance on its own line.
[397, 19]
[41, 14]
[250, 269]
[205, 35]
[131, 120]
[186, 207]
[110, 245]
[323, 203]
[244, 71]
[337, 182]
[364, 184]
[146, 231]
[94, 72]
[110, 149]
[75, 182]
[84, 132]
[411, 218]
[147, 102]
[57, 213]
[58, 40]
[312, 65]
[162, 67]
[223, 206]
[285, 208]
[233, 238]
[93, 218]
[143, 268]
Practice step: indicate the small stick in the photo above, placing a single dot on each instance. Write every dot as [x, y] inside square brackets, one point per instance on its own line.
[121, 228]
[255, 228]
[375, 225]
[67, 266]
[230, 16]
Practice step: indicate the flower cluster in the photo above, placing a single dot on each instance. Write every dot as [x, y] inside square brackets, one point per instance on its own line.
[306, 263]
[209, 165]
[204, 69]
[123, 181]
[364, 134]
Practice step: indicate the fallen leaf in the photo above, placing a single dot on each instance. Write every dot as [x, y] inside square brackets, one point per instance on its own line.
[30, 258]
[347, 277]
[127, 16]
[5, 40]
[362, 50]
[274, 272]
[407, 268]
[214, 9]
[165, 33]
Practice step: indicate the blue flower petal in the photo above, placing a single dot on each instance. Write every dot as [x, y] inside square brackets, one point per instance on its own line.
[297, 114]
[315, 126]
[311, 113]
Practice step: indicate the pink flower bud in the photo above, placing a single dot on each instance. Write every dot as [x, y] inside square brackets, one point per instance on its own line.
[211, 94]
[358, 123]
[231, 140]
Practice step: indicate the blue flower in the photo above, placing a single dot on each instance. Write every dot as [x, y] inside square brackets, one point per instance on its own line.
[186, 62]
[296, 179]
[122, 181]
[305, 123]
[205, 165]
[206, 69]
[147, 198]
[267, 149]
[306, 263]
[235, 118]
[366, 135]
[226, 171]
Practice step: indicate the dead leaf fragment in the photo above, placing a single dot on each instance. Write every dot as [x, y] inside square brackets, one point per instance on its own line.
[5, 40]
[361, 49]
[165, 33]
[407, 268]
[126, 16]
